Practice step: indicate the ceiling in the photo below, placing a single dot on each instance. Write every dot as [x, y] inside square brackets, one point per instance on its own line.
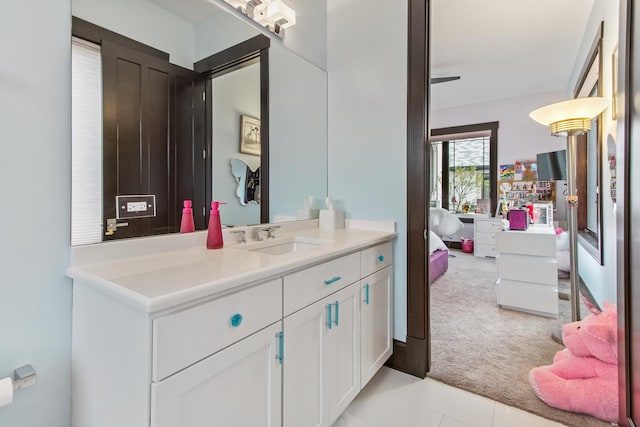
[500, 48]
[503, 48]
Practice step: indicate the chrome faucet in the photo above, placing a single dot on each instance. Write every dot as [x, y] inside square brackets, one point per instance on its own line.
[271, 231]
[258, 232]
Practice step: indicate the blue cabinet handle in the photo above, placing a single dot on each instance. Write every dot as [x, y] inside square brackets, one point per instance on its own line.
[380, 258]
[280, 356]
[337, 304]
[329, 316]
[366, 294]
[236, 320]
[332, 280]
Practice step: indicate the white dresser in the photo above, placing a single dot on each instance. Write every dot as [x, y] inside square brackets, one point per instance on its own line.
[527, 270]
[484, 236]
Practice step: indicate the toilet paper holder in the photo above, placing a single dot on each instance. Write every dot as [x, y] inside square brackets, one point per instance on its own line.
[23, 377]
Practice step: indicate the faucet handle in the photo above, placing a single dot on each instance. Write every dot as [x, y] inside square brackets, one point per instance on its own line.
[271, 231]
[241, 236]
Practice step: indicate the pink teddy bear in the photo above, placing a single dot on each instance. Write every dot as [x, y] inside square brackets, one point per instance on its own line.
[584, 376]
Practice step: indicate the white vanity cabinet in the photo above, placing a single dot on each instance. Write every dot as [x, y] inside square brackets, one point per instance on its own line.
[238, 386]
[376, 333]
[334, 346]
[291, 349]
[322, 342]
[202, 364]
[376, 314]
[219, 389]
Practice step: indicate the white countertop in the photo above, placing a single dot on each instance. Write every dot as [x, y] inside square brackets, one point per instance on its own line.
[157, 280]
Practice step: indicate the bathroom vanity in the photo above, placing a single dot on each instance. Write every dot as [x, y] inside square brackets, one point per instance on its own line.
[283, 332]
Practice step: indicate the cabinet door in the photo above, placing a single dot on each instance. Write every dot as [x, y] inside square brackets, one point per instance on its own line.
[238, 386]
[376, 294]
[343, 367]
[305, 351]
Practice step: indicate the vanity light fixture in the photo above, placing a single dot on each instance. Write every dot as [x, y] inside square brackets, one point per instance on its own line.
[569, 119]
[274, 15]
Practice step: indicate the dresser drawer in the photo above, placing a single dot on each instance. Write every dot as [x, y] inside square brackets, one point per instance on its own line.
[488, 226]
[486, 238]
[375, 258]
[184, 337]
[528, 269]
[527, 243]
[307, 286]
[528, 297]
[482, 249]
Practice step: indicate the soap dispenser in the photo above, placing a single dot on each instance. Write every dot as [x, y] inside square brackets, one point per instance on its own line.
[214, 235]
[187, 225]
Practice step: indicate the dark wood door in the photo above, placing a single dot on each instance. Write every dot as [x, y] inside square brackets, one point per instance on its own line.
[628, 215]
[148, 137]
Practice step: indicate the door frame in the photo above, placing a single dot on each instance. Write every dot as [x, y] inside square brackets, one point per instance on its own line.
[624, 221]
[413, 356]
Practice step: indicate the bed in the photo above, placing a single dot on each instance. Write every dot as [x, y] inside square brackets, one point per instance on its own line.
[438, 257]
[442, 223]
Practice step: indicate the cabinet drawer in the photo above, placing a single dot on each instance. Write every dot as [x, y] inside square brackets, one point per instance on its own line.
[182, 338]
[306, 286]
[486, 238]
[527, 243]
[529, 297]
[376, 258]
[488, 226]
[528, 269]
[482, 249]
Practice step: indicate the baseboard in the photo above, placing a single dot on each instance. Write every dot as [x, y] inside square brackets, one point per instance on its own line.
[410, 357]
[398, 359]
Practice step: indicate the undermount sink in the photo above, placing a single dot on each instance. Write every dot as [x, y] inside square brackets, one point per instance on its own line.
[284, 246]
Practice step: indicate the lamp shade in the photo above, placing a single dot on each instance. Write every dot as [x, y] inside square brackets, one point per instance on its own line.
[579, 108]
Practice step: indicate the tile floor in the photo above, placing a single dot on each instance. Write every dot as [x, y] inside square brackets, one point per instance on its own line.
[395, 399]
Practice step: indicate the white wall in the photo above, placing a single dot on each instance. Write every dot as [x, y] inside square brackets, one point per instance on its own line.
[519, 137]
[601, 279]
[367, 65]
[145, 22]
[234, 94]
[35, 183]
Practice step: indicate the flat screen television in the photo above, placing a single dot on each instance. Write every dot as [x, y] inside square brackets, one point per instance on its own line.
[552, 166]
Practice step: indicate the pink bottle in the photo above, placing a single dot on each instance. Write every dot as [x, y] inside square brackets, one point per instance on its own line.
[187, 226]
[214, 235]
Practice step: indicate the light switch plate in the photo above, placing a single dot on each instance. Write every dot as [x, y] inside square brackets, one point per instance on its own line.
[135, 206]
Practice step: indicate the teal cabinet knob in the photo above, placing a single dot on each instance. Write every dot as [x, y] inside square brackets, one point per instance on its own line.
[380, 258]
[236, 320]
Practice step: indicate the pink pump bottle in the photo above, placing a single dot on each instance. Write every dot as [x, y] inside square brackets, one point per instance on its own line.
[187, 226]
[214, 235]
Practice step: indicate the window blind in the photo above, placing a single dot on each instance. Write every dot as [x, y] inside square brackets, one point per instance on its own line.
[86, 143]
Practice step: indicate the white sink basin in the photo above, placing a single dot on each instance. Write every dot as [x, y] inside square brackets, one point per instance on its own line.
[284, 246]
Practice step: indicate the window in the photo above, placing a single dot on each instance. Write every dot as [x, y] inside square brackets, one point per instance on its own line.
[589, 157]
[86, 143]
[463, 167]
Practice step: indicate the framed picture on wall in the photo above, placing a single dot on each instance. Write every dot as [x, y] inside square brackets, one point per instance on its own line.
[249, 135]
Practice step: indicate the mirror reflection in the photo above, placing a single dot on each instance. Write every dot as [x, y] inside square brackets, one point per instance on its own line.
[248, 182]
[297, 122]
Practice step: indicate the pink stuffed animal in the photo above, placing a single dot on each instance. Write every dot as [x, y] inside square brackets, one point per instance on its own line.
[584, 376]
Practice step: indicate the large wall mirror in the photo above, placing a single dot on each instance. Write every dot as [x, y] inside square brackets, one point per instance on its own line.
[589, 156]
[187, 32]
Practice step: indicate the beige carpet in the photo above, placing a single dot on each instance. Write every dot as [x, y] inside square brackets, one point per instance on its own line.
[482, 348]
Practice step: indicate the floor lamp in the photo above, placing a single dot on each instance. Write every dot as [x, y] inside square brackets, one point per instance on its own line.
[569, 119]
